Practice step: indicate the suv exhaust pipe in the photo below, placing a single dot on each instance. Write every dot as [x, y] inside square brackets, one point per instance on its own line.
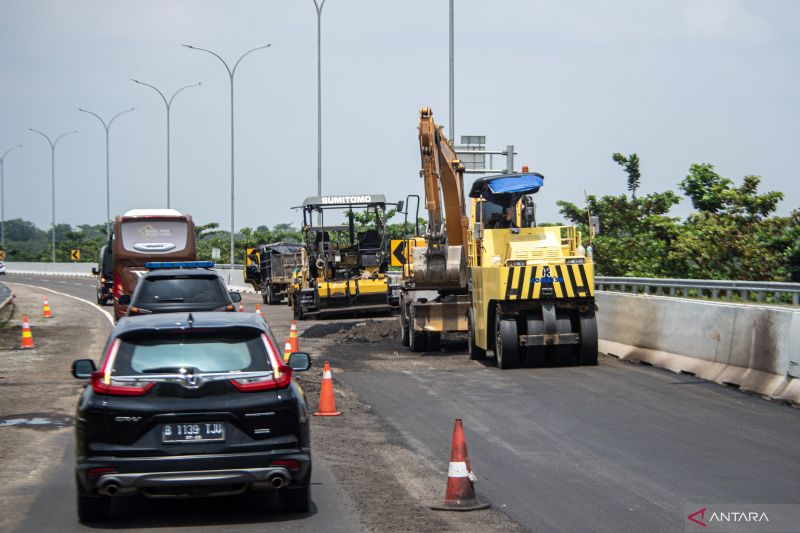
[278, 480]
[109, 487]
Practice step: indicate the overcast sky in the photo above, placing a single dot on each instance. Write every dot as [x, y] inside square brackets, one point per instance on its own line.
[568, 83]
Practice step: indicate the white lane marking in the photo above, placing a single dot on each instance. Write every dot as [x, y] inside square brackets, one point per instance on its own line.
[106, 314]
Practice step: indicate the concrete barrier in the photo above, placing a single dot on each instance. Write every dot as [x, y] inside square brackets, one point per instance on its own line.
[753, 347]
[52, 269]
[85, 270]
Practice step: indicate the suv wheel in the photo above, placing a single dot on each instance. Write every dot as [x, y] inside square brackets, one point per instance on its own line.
[93, 508]
[296, 500]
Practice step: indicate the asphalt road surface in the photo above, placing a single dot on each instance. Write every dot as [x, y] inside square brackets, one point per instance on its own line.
[618, 447]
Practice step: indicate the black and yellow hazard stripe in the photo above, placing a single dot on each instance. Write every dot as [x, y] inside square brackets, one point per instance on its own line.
[567, 281]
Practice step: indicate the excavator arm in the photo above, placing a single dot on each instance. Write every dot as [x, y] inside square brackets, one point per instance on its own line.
[441, 262]
[443, 174]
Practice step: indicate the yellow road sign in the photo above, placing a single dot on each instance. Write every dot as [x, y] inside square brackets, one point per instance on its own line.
[252, 257]
[74, 255]
[398, 252]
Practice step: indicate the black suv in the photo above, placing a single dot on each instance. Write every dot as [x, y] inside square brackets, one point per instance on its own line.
[191, 405]
[175, 290]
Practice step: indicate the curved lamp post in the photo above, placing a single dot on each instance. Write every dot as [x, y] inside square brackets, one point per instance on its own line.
[53, 177]
[168, 104]
[231, 73]
[107, 127]
[3, 196]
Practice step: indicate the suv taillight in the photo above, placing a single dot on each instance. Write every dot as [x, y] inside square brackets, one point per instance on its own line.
[281, 374]
[103, 382]
[110, 388]
[272, 382]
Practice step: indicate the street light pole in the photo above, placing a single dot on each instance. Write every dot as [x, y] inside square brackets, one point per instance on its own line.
[107, 127]
[452, 76]
[319, 6]
[53, 178]
[3, 196]
[231, 73]
[168, 104]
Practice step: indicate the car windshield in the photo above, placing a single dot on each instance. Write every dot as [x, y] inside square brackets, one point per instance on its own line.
[181, 290]
[191, 351]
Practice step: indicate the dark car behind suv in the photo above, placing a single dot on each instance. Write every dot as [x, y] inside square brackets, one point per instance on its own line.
[105, 277]
[191, 405]
[180, 287]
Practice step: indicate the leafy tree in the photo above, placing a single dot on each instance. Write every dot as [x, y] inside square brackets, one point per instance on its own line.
[631, 166]
[732, 236]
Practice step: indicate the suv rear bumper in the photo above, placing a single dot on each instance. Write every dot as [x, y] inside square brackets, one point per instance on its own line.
[184, 475]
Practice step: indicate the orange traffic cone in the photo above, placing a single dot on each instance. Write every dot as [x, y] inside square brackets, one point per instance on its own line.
[241, 307]
[293, 337]
[327, 403]
[46, 313]
[27, 338]
[460, 494]
[287, 351]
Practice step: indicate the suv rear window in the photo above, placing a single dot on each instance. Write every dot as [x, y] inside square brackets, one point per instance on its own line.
[181, 290]
[196, 351]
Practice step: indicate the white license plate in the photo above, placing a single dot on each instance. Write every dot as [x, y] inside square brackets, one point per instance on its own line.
[194, 432]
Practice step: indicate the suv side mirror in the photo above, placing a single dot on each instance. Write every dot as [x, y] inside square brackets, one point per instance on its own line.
[300, 361]
[83, 368]
[124, 299]
[95, 271]
[236, 297]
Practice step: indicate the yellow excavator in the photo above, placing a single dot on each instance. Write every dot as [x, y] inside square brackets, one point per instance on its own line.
[434, 298]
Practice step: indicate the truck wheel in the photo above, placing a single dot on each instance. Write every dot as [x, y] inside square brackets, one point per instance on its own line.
[404, 325]
[506, 343]
[475, 353]
[434, 340]
[264, 296]
[587, 355]
[416, 339]
[271, 298]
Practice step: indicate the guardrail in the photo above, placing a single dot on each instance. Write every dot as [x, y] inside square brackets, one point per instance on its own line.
[745, 291]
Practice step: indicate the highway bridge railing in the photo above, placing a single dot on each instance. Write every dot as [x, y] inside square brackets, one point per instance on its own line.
[728, 290]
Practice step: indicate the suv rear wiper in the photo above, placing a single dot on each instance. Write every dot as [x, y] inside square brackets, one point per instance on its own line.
[169, 301]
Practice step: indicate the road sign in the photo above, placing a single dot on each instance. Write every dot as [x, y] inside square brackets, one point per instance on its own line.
[215, 253]
[74, 255]
[397, 247]
[251, 257]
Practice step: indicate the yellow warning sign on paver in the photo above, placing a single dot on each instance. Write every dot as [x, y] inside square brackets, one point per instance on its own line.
[74, 255]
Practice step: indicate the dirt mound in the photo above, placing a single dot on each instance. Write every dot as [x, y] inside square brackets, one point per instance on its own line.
[370, 331]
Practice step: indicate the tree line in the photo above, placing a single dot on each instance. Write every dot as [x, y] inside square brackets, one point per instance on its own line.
[732, 233]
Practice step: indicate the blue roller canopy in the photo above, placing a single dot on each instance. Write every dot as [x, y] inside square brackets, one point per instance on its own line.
[507, 184]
